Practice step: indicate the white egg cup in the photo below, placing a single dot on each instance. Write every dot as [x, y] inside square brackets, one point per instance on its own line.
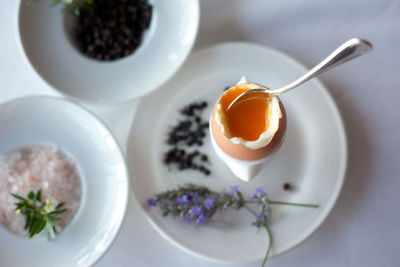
[245, 170]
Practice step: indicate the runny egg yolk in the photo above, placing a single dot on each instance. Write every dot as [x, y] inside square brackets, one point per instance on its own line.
[248, 118]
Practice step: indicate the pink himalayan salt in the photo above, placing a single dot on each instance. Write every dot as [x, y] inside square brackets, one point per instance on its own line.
[34, 168]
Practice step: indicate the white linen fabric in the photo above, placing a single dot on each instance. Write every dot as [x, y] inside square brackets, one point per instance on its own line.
[362, 229]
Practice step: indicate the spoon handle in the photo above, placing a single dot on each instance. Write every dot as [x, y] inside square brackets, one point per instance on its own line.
[351, 49]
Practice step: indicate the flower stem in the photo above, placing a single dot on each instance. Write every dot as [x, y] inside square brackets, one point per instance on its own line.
[269, 246]
[250, 209]
[252, 201]
[268, 234]
[292, 204]
[284, 203]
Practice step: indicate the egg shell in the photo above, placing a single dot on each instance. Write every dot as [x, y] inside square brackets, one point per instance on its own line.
[239, 151]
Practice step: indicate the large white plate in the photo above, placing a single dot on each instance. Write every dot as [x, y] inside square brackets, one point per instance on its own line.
[313, 157]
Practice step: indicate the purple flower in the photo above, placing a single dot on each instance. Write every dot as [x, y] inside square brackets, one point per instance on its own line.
[254, 197]
[151, 202]
[209, 203]
[230, 193]
[259, 217]
[194, 195]
[195, 210]
[260, 190]
[187, 220]
[261, 220]
[235, 188]
[182, 199]
[201, 219]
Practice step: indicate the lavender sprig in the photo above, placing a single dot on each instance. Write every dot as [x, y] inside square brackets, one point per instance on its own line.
[198, 204]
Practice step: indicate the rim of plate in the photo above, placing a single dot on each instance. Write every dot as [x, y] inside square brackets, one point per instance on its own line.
[88, 113]
[340, 131]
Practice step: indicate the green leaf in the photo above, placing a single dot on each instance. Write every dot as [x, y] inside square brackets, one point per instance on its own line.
[77, 10]
[50, 231]
[60, 205]
[32, 220]
[27, 222]
[18, 197]
[32, 230]
[41, 226]
[55, 2]
[38, 195]
[57, 212]
[31, 195]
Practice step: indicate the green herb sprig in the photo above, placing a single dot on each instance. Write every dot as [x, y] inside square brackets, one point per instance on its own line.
[198, 204]
[39, 215]
[77, 6]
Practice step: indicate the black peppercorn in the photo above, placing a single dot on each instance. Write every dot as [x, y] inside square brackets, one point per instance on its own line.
[187, 133]
[111, 29]
[287, 186]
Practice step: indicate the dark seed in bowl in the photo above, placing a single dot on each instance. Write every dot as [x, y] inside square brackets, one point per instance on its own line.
[112, 29]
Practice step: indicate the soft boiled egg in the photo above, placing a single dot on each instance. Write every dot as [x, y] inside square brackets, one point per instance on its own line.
[250, 130]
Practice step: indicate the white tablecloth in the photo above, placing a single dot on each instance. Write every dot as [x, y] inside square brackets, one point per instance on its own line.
[362, 229]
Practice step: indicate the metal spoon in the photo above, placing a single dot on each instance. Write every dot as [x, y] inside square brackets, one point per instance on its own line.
[351, 49]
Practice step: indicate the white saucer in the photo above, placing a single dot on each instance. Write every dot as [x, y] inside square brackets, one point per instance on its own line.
[313, 156]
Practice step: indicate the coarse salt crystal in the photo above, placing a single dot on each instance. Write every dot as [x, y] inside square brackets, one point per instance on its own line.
[31, 169]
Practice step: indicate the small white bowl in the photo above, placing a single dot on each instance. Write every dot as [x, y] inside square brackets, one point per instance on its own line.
[46, 43]
[104, 179]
